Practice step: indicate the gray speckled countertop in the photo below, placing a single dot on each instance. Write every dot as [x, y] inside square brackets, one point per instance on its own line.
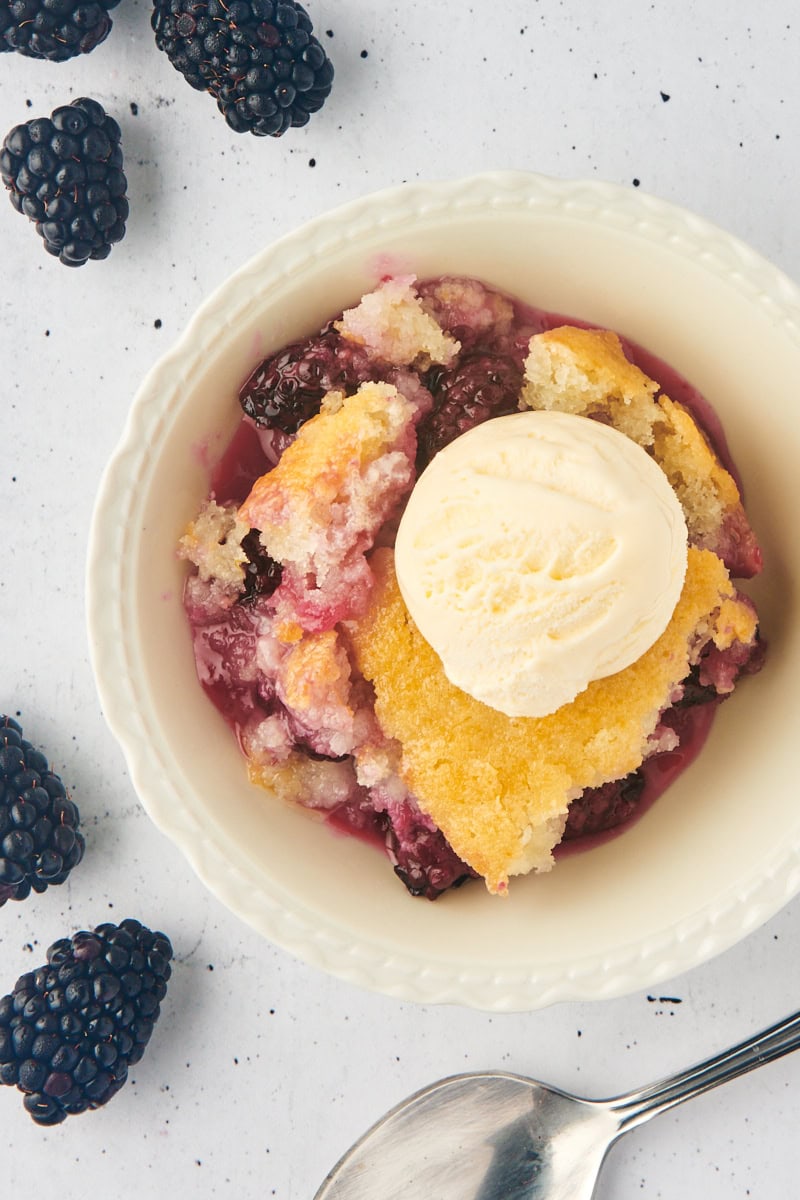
[263, 1070]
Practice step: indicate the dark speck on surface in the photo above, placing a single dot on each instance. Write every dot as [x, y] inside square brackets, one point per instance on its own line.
[328, 33]
[636, 182]
[210, 967]
[157, 323]
[312, 162]
[134, 108]
[665, 96]
[29, 104]
[364, 53]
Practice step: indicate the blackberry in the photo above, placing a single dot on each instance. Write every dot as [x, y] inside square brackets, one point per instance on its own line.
[65, 173]
[54, 29]
[70, 1030]
[694, 692]
[258, 59]
[480, 386]
[262, 574]
[422, 858]
[605, 807]
[288, 387]
[39, 838]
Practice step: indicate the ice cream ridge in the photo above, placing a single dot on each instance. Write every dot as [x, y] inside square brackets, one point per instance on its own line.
[462, 638]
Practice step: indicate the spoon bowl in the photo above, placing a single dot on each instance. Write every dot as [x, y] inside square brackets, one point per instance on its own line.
[498, 1136]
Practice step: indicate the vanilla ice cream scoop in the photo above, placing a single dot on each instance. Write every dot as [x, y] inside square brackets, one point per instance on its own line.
[539, 552]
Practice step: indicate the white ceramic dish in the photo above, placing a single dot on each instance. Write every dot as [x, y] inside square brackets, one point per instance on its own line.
[718, 854]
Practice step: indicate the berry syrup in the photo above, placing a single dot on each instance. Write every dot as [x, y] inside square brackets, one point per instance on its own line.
[244, 461]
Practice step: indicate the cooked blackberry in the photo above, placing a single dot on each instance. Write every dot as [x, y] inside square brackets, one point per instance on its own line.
[65, 173]
[422, 857]
[287, 388]
[480, 386]
[717, 672]
[54, 29]
[40, 841]
[262, 574]
[258, 59]
[605, 807]
[70, 1030]
[695, 692]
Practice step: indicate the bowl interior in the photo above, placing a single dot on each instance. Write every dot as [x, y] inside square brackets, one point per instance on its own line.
[694, 864]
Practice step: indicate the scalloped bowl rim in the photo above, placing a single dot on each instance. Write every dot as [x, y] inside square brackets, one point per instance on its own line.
[679, 240]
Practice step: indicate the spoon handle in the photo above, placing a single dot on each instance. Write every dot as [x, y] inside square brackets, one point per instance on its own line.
[637, 1107]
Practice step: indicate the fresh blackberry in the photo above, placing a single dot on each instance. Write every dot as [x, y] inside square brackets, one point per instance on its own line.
[258, 59]
[288, 387]
[480, 386]
[65, 173]
[70, 1030]
[54, 29]
[39, 838]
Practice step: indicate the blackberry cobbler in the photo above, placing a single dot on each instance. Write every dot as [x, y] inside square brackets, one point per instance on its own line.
[303, 637]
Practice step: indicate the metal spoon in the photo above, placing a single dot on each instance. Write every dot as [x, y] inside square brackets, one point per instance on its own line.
[487, 1136]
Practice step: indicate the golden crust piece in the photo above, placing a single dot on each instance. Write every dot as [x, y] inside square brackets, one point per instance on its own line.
[330, 469]
[302, 780]
[497, 786]
[585, 371]
[316, 674]
[213, 542]
[393, 324]
[705, 489]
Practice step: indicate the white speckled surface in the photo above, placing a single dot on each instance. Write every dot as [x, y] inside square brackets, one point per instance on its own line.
[262, 1070]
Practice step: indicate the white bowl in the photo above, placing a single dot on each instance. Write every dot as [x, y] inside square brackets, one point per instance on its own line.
[720, 851]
